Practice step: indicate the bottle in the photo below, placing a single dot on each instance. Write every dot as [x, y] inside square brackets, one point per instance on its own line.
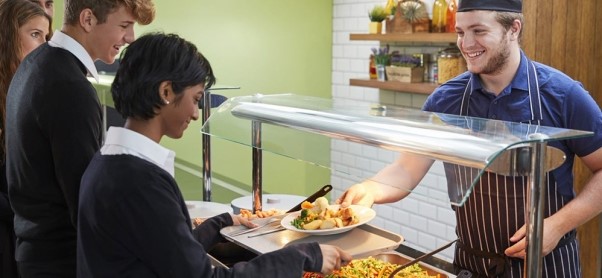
[372, 69]
[450, 24]
[432, 68]
[439, 16]
[389, 7]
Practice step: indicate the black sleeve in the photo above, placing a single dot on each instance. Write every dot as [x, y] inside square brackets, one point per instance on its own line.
[6, 212]
[162, 239]
[290, 261]
[208, 233]
[73, 122]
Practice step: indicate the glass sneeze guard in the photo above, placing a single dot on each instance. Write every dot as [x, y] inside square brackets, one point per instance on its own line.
[299, 127]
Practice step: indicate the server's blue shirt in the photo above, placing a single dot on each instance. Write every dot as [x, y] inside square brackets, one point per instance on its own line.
[564, 102]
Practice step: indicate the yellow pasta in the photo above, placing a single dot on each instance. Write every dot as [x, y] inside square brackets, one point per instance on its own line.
[373, 268]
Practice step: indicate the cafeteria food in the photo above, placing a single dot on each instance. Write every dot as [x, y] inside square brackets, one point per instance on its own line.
[319, 216]
[373, 268]
[260, 214]
[196, 222]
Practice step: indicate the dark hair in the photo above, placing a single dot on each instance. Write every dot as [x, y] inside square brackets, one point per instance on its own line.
[142, 10]
[150, 60]
[506, 19]
[13, 15]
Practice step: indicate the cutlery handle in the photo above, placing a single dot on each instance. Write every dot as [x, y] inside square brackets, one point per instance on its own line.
[278, 229]
[325, 189]
[241, 232]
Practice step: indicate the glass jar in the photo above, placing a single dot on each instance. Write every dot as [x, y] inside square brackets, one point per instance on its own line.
[450, 64]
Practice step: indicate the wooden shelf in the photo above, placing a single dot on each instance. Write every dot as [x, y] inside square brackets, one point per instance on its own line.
[414, 37]
[419, 88]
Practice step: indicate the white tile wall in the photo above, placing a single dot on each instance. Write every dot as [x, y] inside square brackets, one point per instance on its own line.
[424, 222]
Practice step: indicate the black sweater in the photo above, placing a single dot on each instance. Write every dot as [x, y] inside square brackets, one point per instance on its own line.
[133, 222]
[53, 129]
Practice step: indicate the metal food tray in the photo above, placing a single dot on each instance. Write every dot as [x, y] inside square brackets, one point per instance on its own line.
[399, 258]
[395, 257]
[363, 241]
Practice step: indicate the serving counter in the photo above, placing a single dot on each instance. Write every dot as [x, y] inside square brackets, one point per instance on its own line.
[279, 123]
[361, 242]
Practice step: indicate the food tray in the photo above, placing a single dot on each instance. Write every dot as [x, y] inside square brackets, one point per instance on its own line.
[397, 258]
[363, 241]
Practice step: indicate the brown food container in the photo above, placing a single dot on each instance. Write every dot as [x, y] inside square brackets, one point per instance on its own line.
[398, 259]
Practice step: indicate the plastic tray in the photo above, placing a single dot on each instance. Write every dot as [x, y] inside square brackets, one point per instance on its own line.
[363, 241]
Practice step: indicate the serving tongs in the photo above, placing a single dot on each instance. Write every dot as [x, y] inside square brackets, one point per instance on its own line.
[321, 192]
[427, 255]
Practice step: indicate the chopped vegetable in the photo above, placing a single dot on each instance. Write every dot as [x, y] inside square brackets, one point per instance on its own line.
[306, 205]
[320, 216]
[373, 268]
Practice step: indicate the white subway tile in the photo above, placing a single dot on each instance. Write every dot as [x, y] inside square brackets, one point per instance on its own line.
[370, 152]
[424, 223]
[446, 215]
[410, 234]
[437, 229]
[418, 222]
[427, 241]
[427, 210]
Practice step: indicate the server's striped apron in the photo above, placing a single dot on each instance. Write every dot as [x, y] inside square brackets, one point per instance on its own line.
[495, 210]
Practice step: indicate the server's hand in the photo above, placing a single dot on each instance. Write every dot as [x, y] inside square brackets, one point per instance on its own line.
[551, 237]
[357, 194]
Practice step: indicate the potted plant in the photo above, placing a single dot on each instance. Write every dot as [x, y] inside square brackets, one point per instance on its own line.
[413, 11]
[410, 17]
[381, 59]
[377, 15]
[405, 68]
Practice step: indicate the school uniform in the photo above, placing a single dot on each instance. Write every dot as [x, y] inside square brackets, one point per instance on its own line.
[8, 265]
[133, 221]
[53, 128]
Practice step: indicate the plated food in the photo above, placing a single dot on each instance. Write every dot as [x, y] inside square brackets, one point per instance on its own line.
[320, 218]
[372, 268]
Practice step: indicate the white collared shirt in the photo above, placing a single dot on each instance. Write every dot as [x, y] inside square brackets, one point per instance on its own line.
[124, 141]
[62, 40]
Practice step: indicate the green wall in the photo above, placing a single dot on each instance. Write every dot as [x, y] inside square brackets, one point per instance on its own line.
[266, 47]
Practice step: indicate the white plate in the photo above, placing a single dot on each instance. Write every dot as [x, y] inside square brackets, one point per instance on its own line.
[365, 214]
[204, 210]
